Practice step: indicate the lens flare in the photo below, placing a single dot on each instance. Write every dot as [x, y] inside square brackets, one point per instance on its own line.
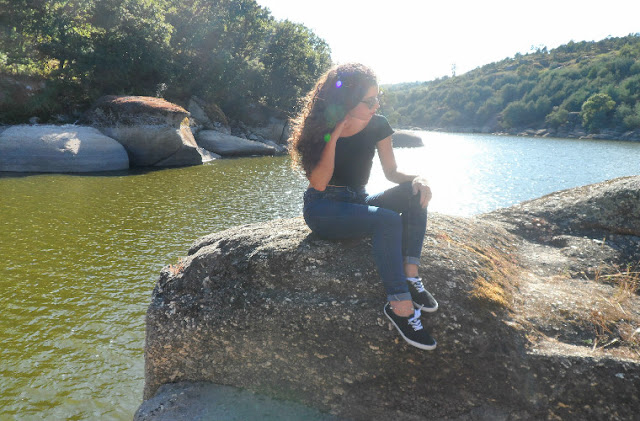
[338, 84]
[327, 137]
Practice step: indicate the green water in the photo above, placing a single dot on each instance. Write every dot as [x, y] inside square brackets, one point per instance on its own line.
[80, 256]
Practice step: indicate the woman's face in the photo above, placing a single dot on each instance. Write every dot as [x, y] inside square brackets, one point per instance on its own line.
[368, 106]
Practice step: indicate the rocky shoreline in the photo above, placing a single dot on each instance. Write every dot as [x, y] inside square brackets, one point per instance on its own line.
[607, 134]
[571, 129]
[123, 132]
[539, 318]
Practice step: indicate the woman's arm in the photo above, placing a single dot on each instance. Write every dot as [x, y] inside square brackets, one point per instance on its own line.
[390, 169]
[388, 161]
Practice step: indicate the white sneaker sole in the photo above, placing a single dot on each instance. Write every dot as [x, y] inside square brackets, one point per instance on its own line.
[424, 309]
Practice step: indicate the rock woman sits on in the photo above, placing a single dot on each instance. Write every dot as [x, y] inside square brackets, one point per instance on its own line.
[334, 141]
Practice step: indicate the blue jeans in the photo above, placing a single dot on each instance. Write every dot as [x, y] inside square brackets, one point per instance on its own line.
[394, 218]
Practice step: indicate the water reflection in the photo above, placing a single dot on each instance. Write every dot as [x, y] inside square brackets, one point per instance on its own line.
[472, 174]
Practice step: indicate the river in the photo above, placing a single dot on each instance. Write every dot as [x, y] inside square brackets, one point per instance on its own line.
[81, 253]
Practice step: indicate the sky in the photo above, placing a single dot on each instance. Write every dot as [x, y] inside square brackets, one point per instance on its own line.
[421, 40]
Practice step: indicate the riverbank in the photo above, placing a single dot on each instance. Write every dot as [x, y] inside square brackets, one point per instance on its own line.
[571, 128]
[575, 131]
[131, 132]
[120, 132]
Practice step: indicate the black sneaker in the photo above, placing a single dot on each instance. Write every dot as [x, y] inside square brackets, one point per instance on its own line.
[411, 329]
[422, 299]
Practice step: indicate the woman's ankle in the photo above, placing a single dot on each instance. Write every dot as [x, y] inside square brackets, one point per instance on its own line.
[411, 270]
[402, 308]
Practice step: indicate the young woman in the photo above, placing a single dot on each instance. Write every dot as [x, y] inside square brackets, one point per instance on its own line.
[334, 141]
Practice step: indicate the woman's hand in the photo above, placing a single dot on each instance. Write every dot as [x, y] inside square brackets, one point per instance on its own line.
[343, 124]
[421, 186]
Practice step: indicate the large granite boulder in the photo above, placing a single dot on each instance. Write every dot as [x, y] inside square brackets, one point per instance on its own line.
[581, 209]
[154, 132]
[59, 149]
[272, 309]
[229, 145]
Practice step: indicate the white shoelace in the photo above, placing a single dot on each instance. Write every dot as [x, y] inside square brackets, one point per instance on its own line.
[417, 282]
[415, 322]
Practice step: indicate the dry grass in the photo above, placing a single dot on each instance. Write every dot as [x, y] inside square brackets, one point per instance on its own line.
[491, 292]
[627, 280]
[496, 280]
[617, 322]
[495, 267]
[496, 287]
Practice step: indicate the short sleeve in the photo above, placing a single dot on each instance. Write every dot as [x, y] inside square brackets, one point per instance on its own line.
[383, 128]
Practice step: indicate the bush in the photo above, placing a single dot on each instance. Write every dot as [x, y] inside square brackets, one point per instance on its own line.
[517, 113]
[632, 120]
[557, 117]
[596, 111]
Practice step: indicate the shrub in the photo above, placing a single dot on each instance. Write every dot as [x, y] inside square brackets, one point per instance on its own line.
[557, 117]
[632, 120]
[596, 111]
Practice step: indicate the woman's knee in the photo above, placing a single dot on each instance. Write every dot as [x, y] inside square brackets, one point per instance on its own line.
[388, 219]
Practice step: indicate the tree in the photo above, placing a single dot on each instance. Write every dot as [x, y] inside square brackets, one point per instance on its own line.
[557, 117]
[596, 111]
[131, 51]
[632, 119]
[294, 58]
[217, 48]
[517, 113]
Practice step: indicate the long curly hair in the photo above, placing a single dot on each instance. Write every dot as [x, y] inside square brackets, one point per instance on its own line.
[336, 93]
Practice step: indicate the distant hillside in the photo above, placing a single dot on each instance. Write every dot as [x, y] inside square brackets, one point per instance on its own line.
[590, 86]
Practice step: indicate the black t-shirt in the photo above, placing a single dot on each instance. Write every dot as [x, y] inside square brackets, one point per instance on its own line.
[354, 154]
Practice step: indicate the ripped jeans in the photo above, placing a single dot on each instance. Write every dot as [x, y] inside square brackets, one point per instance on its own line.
[394, 219]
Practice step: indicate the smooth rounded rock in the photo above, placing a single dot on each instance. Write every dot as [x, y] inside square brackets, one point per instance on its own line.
[59, 149]
[228, 145]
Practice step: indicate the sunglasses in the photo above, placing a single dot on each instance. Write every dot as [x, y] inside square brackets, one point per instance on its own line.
[371, 102]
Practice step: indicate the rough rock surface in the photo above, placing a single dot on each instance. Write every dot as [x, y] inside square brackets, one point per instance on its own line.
[207, 116]
[229, 145]
[272, 309]
[580, 210]
[406, 139]
[59, 149]
[154, 132]
[275, 129]
[196, 109]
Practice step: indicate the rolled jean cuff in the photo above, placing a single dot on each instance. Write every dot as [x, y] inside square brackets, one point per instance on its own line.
[403, 296]
[412, 260]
